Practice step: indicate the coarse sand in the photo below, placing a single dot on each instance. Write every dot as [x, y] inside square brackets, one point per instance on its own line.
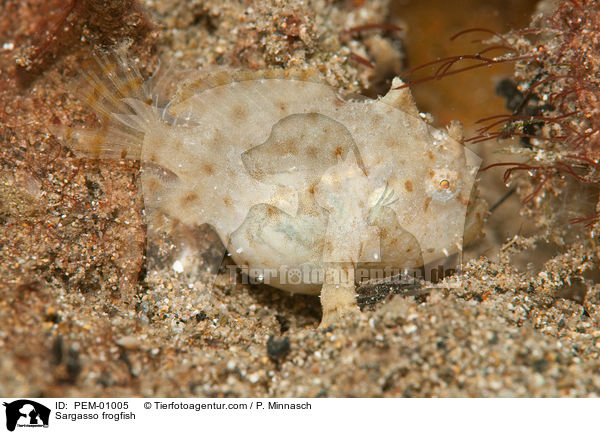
[84, 313]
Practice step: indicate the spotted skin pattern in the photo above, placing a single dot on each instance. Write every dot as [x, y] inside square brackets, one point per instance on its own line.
[290, 174]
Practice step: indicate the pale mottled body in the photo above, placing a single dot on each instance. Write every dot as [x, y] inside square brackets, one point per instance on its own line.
[290, 174]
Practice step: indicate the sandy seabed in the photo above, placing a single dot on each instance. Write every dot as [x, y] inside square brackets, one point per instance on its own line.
[83, 313]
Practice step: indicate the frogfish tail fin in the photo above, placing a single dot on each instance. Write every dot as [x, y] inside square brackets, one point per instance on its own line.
[126, 105]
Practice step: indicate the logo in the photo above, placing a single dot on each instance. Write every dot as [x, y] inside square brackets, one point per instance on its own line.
[26, 413]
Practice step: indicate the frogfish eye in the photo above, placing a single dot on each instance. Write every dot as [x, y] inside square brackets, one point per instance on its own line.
[443, 184]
